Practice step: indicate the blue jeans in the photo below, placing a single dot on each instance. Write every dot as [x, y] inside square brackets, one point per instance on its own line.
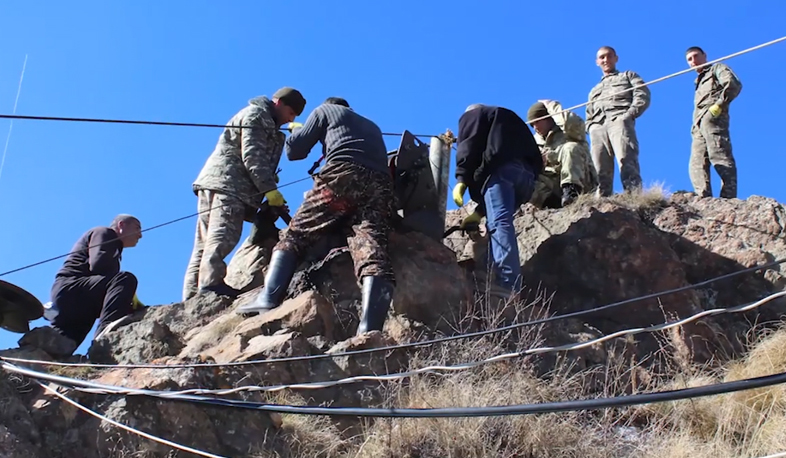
[506, 190]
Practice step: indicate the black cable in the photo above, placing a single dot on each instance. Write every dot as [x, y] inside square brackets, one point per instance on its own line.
[144, 230]
[462, 412]
[153, 123]
[444, 339]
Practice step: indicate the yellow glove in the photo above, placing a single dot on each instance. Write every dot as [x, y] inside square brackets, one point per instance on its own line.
[274, 198]
[136, 304]
[715, 110]
[458, 194]
[474, 218]
[293, 125]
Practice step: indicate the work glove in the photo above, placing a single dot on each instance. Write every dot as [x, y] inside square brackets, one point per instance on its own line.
[458, 194]
[136, 304]
[274, 198]
[275, 177]
[715, 110]
[293, 125]
[474, 218]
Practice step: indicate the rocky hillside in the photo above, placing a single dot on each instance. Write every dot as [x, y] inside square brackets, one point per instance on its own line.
[593, 253]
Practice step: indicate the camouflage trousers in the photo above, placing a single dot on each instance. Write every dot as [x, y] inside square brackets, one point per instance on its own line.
[247, 268]
[618, 139]
[574, 167]
[218, 231]
[352, 199]
[711, 145]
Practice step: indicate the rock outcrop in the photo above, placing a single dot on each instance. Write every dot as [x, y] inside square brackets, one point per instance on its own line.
[590, 254]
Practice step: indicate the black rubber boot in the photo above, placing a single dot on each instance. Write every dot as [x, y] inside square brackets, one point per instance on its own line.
[279, 275]
[377, 296]
[570, 192]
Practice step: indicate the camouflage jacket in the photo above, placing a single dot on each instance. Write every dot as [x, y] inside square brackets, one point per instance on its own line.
[715, 84]
[558, 145]
[244, 161]
[603, 106]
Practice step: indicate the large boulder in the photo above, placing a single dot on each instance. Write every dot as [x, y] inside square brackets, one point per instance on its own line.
[601, 251]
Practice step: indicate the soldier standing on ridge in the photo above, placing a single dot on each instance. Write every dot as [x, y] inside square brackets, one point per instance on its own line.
[568, 166]
[498, 160]
[239, 173]
[611, 123]
[353, 192]
[716, 87]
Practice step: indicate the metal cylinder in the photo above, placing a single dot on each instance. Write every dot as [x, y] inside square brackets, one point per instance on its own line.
[439, 159]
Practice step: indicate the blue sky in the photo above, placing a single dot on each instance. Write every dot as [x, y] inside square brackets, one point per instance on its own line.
[406, 65]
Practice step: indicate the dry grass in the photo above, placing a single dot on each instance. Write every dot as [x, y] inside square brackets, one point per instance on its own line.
[651, 198]
[744, 424]
[747, 423]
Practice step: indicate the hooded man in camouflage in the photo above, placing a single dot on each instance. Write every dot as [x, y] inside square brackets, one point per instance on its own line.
[716, 87]
[568, 168]
[352, 194]
[611, 123]
[237, 176]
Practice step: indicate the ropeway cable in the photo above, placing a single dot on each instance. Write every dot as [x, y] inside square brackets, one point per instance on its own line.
[663, 78]
[167, 223]
[160, 440]
[406, 345]
[180, 446]
[153, 123]
[219, 125]
[449, 412]
[469, 365]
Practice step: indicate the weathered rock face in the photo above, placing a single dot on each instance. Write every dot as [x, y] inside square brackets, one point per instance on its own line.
[582, 257]
[598, 253]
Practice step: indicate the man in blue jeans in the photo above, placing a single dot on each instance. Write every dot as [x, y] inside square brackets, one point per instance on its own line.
[498, 161]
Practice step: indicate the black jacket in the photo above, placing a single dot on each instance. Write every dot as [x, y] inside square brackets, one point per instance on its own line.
[97, 252]
[488, 137]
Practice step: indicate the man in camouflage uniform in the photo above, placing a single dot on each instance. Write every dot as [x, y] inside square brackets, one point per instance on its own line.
[611, 123]
[716, 87]
[239, 173]
[568, 168]
[352, 193]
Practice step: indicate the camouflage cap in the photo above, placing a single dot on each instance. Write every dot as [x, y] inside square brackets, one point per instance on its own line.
[292, 98]
[537, 110]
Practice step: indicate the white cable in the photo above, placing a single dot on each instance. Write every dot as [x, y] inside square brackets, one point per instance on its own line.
[687, 70]
[128, 428]
[11, 124]
[454, 368]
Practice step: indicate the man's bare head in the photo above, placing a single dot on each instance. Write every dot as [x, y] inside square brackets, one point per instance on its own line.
[128, 229]
[606, 58]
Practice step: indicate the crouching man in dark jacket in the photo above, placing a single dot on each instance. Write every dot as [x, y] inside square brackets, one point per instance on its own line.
[353, 194]
[90, 284]
[498, 160]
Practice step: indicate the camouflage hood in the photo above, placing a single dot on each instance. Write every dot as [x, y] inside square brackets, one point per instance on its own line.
[265, 105]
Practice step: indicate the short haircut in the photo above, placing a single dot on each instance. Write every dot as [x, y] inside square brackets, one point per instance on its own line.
[608, 48]
[337, 101]
[122, 218]
[694, 48]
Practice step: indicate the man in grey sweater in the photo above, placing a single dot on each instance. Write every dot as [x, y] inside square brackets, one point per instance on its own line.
[353, 192]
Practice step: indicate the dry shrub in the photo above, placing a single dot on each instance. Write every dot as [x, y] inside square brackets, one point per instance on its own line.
[545, 435]
[302, 435]
[744, 423]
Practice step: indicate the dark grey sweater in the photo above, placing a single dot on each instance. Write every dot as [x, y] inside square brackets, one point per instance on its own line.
[345, 136]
